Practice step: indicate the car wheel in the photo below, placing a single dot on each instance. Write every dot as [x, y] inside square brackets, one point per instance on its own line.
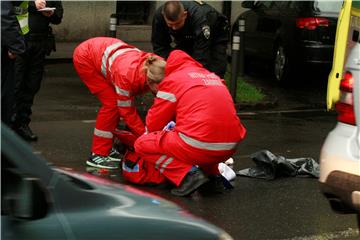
[281, 65]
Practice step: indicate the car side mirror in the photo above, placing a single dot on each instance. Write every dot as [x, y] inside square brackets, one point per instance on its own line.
[248, 4]
[29, 201]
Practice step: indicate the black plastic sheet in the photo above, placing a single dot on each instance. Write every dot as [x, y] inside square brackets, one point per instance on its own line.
[269, 166]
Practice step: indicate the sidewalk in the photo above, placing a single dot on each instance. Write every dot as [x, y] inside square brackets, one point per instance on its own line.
[64, 50]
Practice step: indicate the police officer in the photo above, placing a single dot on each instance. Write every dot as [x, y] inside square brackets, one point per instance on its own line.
[29, 68]
[194, 27]
[12, 45]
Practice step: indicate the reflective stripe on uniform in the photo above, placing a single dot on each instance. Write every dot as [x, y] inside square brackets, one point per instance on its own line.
[24, 23]
[122, 92]
[167, 162]
[166, 96]
[22, 15]
[101, 133]
[127, 103]
[207, 146]
[118, 53]
[110, 60]
[107, 51]
[157, 164]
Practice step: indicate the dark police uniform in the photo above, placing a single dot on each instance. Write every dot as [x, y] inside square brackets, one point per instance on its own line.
[11, 40]
[29, 68]
[204, 36]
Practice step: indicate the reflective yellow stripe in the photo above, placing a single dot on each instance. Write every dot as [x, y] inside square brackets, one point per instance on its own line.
[127, 103]
[101, 133]
[166, 96]
[122, 92]
[23, 17]
[207, 146]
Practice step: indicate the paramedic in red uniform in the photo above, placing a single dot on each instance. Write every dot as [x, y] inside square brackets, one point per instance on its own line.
[115, 72]
[207, 129]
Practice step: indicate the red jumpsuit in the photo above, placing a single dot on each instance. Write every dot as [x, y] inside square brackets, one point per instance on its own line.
[113, 72]
[207, 127]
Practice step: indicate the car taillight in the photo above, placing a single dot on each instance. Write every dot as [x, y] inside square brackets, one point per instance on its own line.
[344, 106]
[311, 23]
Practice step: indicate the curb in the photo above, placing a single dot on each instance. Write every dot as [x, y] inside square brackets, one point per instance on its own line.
[268, 103]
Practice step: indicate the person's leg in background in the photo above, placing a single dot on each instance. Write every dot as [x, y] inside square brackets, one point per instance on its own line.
[7, 87]
[29, 72]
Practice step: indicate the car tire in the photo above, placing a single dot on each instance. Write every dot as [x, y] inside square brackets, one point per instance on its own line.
[281, 65]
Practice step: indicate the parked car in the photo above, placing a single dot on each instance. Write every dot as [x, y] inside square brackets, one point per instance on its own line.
[291, 35]
[41, 202]
[340, 153]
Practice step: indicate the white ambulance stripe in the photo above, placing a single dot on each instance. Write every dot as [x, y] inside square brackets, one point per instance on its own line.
[101, 133]
[207, 146]
[118, 53]
[166, 96]
[107, 51]
[157, 164]
[127, 103]
[167, 162]
[122, 92]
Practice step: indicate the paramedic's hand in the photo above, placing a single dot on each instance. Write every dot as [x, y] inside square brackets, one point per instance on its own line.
[170, 126]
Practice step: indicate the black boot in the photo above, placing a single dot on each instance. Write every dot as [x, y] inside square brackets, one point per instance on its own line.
[25, 132]
[192, 181]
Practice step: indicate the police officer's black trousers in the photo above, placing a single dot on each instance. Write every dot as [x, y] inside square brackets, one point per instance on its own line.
[29, 71]
[219, 58]
[7, 87]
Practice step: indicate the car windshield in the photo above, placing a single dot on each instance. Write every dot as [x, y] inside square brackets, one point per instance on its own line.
[327, 6]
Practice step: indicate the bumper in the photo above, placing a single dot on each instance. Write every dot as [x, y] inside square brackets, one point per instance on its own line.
[315, 54]
[340, 168]
[343, 191]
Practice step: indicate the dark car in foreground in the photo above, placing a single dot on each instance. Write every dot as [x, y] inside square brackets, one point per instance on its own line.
[291, 35]
[41, 202]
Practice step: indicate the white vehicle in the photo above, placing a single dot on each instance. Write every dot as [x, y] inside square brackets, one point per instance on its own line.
[340, 153]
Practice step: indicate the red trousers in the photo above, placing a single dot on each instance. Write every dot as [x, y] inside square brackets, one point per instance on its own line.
[108, 116]
[173, 158]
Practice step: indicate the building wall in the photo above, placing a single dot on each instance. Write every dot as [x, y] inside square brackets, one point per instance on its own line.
[86, 19]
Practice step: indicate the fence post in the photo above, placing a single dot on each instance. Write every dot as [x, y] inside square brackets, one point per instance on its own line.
[234, 63]
[242, 46]
[112, 26]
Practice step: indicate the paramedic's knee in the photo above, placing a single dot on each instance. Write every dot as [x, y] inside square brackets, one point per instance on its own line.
[148, 144]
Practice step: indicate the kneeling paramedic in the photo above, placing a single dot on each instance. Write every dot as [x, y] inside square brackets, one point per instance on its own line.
[207, 129]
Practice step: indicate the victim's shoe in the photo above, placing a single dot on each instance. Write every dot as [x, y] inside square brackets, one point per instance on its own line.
[192, 181]
[115, 156]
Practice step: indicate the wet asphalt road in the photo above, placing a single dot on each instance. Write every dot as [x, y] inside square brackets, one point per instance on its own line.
[285, 208]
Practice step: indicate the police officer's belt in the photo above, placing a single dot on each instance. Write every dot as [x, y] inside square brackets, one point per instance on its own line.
[20, 10]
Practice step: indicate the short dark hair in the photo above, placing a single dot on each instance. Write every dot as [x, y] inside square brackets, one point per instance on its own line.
[172, 10]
